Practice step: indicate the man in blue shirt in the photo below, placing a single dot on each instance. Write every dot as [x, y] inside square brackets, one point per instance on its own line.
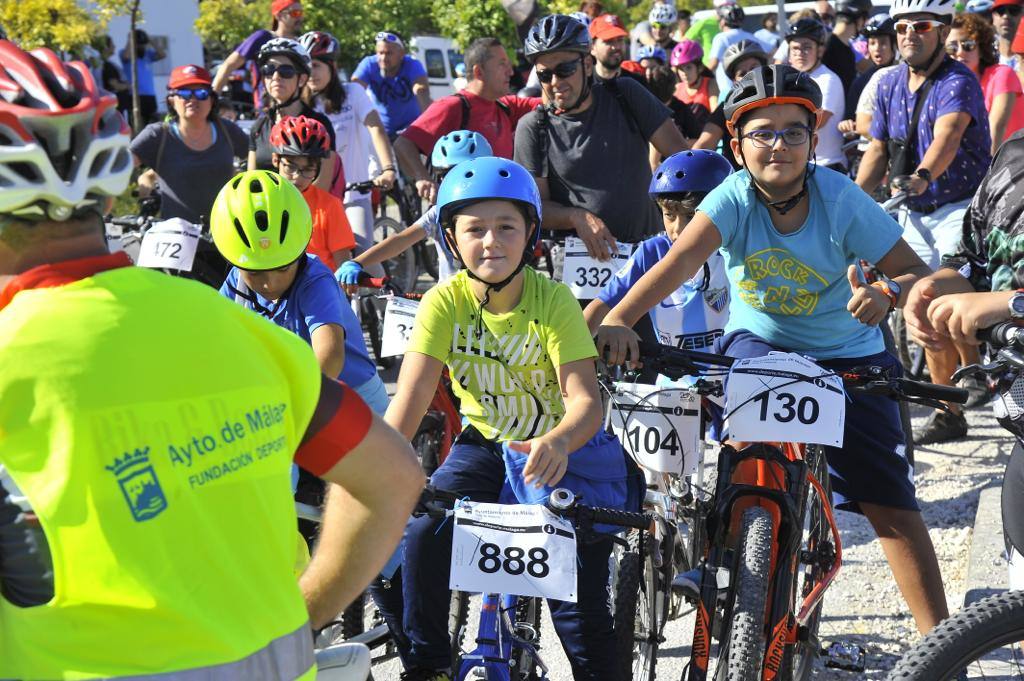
[943, 166]
[397, 83]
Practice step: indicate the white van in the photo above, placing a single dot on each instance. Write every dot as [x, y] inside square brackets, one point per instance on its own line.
[439, 57]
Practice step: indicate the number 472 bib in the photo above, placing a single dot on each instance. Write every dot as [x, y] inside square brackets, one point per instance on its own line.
[522, 550]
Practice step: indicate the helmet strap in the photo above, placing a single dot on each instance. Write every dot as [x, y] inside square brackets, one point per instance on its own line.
[785, 205]
[937, 55]
[584, 92]
[491, 286]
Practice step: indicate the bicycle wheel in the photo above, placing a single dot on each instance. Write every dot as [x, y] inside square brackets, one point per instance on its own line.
[458, 618]
[817, 554]
[372, 313]
[426, 256]
[402, 268]
[353, 619]
[746, 638]
[982, 641]
[427, 442]
[911, 355]
[527, 627]
[641, 597]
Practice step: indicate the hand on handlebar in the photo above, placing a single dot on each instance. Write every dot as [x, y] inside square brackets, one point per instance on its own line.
[427, 190]
[595, 234]
[386, 180]
[547, 462]
[348, 276]
[911, 184]
[847, 126]
[618, 344]
[959, 316]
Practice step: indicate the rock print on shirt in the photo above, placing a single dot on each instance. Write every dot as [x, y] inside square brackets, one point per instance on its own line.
[774, 281]
[521, 399]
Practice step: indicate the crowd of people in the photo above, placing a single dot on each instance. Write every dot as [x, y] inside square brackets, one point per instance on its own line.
[741, 167]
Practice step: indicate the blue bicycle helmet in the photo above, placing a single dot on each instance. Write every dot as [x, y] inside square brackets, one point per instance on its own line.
[459, 146]
[482, 179]
[697, 170]
[652, 52]
[979, 6]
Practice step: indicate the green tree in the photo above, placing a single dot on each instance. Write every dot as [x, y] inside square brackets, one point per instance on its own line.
[355, 22]
[57, 24]
[222, 24]
[466, 20]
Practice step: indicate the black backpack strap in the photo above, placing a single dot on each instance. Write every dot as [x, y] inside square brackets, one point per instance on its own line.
[164, 131]
[465, 110]
[543, 125]
[631, 119]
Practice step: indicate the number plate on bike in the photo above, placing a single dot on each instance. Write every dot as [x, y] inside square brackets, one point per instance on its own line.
[659, 427]
[522, 550]
[170, 244]
[586, 276]
[784, 397]
[399, 315]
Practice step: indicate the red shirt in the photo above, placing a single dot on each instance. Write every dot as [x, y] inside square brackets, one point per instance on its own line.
[498, 126]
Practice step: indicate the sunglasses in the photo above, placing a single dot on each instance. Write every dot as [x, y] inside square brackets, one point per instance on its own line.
[922, 26]
[1012, 10]
[563, 70]
[201, 94]
[954, 46]
[295, 13]
[283, 70]
[767, 139]
[386, 37]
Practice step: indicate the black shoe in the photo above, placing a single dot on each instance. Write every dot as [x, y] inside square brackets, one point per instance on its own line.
[941, 427]
[977, 391]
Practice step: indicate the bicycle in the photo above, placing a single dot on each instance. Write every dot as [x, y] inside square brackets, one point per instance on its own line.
[409, 207]
[984, 639]
[402, 268]
[763, 577]
[910, 354]
[508, 636]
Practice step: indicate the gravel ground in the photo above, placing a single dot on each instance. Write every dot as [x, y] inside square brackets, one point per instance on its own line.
[864, 605]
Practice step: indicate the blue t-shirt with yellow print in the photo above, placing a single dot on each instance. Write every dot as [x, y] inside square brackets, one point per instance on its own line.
[792, 289]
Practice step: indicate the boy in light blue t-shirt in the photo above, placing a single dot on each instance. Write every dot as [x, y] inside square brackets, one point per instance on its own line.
[792, 235]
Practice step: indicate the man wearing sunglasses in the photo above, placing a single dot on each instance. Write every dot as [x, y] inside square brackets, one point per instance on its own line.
[588, 148]
[397, 83]
[484, 106]
[287, 18]
[1005, 19]
[941, 167]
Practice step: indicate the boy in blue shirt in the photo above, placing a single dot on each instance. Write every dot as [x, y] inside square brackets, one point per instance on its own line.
[694, 315]
[792, 234]
[453, 148]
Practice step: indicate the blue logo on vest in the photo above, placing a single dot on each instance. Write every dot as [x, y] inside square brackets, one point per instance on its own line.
[139, 484]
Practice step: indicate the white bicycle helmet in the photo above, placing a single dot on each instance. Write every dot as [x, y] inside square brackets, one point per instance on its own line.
[286, 47]
[663, 14]
[979, 6]
[943, 9]
[63, 145]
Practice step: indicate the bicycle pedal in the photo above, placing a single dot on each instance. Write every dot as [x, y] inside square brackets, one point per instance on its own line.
[844, 655]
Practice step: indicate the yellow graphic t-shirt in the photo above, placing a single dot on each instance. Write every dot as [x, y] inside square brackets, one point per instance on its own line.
[504, 369]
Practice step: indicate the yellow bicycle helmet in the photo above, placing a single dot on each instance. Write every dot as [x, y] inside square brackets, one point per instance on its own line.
[260, 221]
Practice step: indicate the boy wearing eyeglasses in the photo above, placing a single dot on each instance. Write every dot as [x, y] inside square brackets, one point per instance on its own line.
[792, 234]
[940, 169]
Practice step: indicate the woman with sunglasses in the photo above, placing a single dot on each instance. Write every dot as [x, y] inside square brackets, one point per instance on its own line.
[285, 66]
[193, 152]
[971, 41]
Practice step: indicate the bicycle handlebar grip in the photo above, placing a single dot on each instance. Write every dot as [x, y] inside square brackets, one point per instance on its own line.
[678, 357]
[611, 516]
[1001, 334]
[946, 393]
[366, 281]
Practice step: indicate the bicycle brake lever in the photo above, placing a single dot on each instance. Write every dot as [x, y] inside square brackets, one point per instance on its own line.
[971, 369]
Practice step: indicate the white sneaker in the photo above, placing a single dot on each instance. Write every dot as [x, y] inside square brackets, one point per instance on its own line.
[343, 662]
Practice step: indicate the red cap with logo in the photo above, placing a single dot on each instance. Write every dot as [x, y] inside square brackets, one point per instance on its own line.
[607, 27]
[278, 6]
[189, 74]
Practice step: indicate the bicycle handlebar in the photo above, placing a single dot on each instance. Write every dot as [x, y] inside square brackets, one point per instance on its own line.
[1002, 334]
[366, 186]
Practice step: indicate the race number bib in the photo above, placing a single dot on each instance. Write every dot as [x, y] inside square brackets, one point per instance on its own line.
[784, 397]
[586, 276]
[659, 427]
[170, 244]
[399, 315]
[521, 550]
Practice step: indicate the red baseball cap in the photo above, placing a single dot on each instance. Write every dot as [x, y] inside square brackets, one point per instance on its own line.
[607, 27]
[278, 6]
[189, 74]
[1004, 3]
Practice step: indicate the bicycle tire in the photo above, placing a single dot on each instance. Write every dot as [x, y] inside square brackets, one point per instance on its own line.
[402, 268]
[353, 618]
[427, 442]
[528, 611]
[373, 320]
[910, 354]
[636, 614]
[458, 620]
[426, 255]
[798, 663]
[746, 638]
[950, 648]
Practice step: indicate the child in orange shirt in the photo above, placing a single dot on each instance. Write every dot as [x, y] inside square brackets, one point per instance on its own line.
[299, 144]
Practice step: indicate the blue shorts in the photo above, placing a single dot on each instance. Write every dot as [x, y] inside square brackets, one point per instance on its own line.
[872, 465]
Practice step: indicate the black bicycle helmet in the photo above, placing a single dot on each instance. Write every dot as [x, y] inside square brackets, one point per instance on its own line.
[773, 84]
[556, 33]
[880, 24]
[732, 15]
[737, 52]
[853, 8]
[808, 28]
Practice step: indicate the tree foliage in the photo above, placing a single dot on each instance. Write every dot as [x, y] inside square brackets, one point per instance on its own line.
[57, 24]
[222, 24]
[466, 20]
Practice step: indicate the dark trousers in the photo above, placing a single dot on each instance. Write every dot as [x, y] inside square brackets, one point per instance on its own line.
[475, 469]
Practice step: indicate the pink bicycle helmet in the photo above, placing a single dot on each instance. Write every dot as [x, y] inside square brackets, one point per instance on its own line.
[686, 51]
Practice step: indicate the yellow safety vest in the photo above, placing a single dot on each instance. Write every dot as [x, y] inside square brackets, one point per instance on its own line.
[151, 425]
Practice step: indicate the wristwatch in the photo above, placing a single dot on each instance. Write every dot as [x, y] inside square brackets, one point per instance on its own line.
[891, 289]
[1016, 305]
[924, 174]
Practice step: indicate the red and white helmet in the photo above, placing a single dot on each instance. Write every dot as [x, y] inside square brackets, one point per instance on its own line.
[320, 45]
[63, 145]
[300, 136]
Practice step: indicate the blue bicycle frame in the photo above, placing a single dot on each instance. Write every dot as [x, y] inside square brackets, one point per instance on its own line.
[497, 644]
